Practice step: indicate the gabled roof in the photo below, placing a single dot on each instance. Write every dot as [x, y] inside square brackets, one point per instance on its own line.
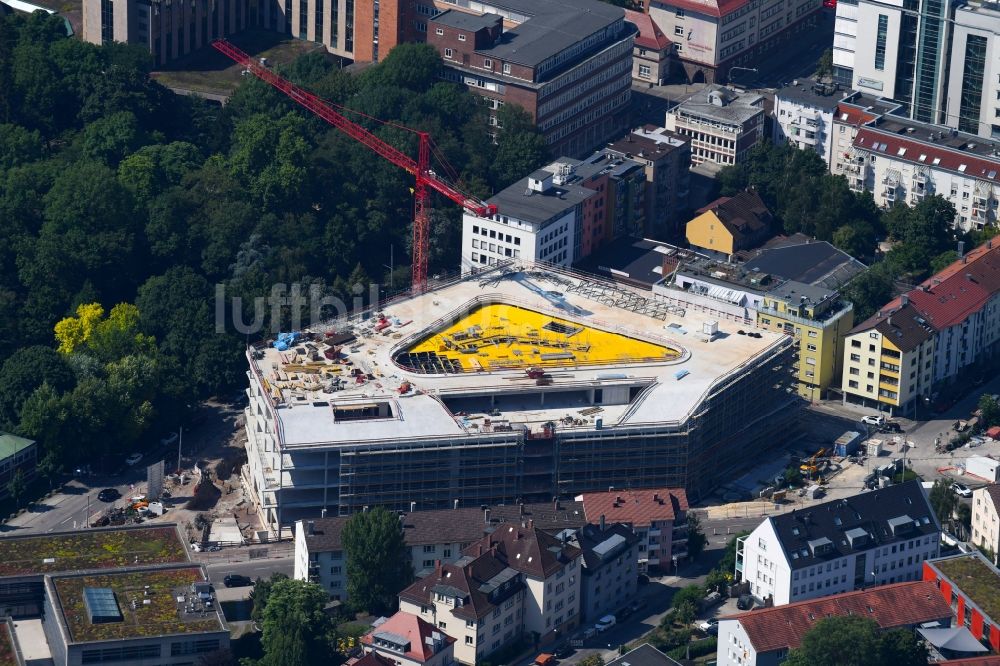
[471, 580]
[637, 508]
[373, 659]
[414, 631]
[898, 513]
[993, 492]
[989, 660]
[900, 148]
[891, 606]
[950, 302]
[600, 547]
[528, 550]
[904, 327]
[716, 8]
[650, 36]
[744, 215]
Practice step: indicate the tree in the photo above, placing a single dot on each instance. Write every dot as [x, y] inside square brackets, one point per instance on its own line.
[111, 138]
[850, 640]
[825, 65]
[943, 500]
[25, 372]
[687, 602]
[520, 147]
[377, 566]
[297, 629]
[50, 467]
[261, 593]
[989, 411]
[16, 486]
[592, 660]
[696, 537]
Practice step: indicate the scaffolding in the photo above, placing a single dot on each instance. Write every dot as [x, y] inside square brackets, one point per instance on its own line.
[613, 295]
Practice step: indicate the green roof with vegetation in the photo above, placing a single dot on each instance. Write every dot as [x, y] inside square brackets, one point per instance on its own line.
[162, 616]
[979, 581]
[11, 444]
[7, 657]
[90, 549]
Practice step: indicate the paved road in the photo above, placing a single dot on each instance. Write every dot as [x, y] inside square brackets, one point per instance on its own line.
[252, 568]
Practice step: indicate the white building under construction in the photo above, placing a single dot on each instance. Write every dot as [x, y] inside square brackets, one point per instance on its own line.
[521, 383]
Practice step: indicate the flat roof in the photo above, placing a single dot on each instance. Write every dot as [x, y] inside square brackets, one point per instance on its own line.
[90, 549]
[808, 92]
[977, 579]
[467, 21]
[637, 260]
[12, 444]
[304, 385]
[739, 108]
[153, 602]
[521, 202]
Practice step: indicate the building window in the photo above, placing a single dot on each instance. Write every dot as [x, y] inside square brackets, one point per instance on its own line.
[644, 71]
[853, 384]
[679, 30]
[487, 63]
[880, 40]
[972, 84]
[468, 640]
[438, 31]
[108, 22]
[447, 53]
[461, 38]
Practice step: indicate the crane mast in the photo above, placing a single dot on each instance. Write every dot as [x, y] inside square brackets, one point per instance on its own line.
[426, 180]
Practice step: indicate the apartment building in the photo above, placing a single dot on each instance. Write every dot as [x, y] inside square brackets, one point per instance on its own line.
[792, 285]
[610, 567]
[666, 157]
[803, 115]
[928, 335]
[941, 61]
[722, 124]
[431, 537]
[407, 640]
[652, 55]
[970, 585]
[511, 582]
[567, 63]
[888, 360]
[764, 637]
[986, 519]
[874, 538]
[658, 517]
[168, 30]
[731, 224]
[714, 38]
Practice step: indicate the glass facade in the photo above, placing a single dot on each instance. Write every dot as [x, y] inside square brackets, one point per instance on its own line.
[349, 26]
[107, 21]
[932, 32]
[880, 39]
[972, 84]
[906, 55]
[318, 21]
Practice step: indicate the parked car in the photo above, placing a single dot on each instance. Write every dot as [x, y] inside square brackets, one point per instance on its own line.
[745, 602]
[108, 495]
[709, 626]
[892, 426]
[563, 651]
[236, 580]
[961, 489]
[170, 439]
[605, 623]
[133, 459]
[545, 659]
[637, 605]
[873, 419]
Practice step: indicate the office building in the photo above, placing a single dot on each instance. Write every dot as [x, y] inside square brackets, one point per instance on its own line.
[970, 585]
[717, 39]
[667, 160]
[722, 124]
[763, 637]
[730, 224]
[803, 115]
[652, 55]
[878, 537]
[568, 64]
[986, 519]
[658, 517]
[545, 414]
[938, 60]
[17, 454]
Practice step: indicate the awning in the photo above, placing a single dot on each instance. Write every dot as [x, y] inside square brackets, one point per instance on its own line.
[953, 639]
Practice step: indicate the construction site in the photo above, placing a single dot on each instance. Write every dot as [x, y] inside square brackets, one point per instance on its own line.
[522, 383]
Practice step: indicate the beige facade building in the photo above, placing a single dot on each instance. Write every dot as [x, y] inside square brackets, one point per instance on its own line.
[406, 640]
[986, 520]
[722, 124]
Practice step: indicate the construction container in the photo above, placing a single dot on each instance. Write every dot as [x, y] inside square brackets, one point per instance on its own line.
[847, 444]
[815, 491]
[983, 467]
[873, 447]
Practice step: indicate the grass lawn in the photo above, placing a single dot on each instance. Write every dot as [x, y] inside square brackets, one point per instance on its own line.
[976, 580]
[209, 71]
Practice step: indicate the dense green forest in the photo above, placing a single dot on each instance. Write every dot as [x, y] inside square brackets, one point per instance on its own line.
[116, 192]
[805, 197]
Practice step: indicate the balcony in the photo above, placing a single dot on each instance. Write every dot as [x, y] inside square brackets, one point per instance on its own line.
[654, 533]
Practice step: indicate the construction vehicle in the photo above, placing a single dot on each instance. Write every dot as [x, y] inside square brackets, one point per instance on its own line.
[810, 467]
[427, 179]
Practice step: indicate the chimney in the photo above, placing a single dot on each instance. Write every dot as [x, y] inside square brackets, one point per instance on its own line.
[531, 523]
[310, 528]
[555, 504]
[602, 522]
[456, 505]
[413, 507]
[965, 260]
[968, 276]
[486, 516]
[656, 497]
[520, 508]
[989, 244]
[437, 567]
[322, 513]
[905, 300]
[878, 314]
[961, 248]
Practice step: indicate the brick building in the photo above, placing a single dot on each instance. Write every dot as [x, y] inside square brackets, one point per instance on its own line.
[568, 64]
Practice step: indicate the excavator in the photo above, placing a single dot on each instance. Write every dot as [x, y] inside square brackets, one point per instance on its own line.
[809, 468]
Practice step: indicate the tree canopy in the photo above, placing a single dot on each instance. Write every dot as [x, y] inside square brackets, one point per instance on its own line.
[297, 629]
[850, 640]
[377, 565]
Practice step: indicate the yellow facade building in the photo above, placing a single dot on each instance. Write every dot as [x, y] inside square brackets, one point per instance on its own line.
[730, 224]
[888, 360]
[819, 321]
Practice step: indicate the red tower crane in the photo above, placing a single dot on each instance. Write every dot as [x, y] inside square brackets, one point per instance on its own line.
[426, 178]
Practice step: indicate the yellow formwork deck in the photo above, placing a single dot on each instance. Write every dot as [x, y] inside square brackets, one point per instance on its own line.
[499, 336]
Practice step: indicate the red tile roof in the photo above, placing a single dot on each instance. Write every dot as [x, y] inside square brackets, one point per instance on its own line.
[990, 660]
[650, 36]
[526, 549]
[950, 159]
[891, 606]
[848, 113]
[372, 659]
[716, 8]
[638, 508]
[412, 628]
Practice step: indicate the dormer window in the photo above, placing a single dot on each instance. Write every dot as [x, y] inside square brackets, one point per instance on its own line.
[461, 37]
